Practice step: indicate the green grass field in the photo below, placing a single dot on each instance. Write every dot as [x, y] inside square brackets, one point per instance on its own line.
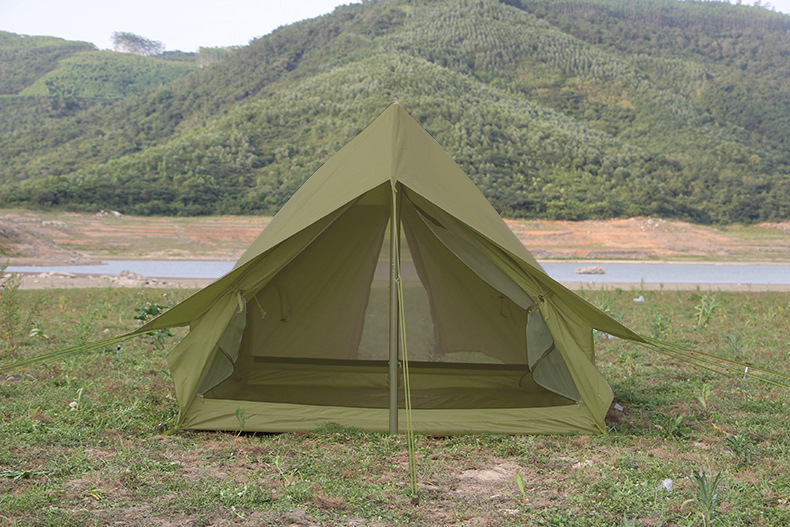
[81, 441]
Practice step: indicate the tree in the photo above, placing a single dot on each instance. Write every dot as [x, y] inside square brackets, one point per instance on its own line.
[131, 43]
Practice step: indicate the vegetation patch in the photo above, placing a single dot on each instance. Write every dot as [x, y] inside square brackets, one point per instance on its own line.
[85, 441]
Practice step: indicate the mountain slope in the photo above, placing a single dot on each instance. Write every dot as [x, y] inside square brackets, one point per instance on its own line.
[555, 109]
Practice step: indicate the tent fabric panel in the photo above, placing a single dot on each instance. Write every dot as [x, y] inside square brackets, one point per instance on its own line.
[220, 414]
[530, 277]
[315, 306]
[360, 166]
[424, 166]
[567, 330]
[479, 264]
[249, 276]
[189, 360]
[472, 320]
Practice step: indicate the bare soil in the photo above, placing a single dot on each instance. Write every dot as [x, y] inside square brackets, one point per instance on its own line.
[654, 239]
[63, 238]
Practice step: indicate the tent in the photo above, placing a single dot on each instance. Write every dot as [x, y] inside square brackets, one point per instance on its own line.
[389, 253]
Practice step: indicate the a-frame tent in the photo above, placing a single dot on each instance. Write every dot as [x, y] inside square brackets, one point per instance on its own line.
[310, 326]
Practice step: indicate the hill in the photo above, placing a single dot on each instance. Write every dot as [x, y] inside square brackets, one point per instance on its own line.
[560, 110]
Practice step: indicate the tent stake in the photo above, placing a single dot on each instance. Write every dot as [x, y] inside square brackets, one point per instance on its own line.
[393, 326]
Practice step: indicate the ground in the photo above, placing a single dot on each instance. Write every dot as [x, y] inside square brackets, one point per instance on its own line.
[81, 442]
[54, 238]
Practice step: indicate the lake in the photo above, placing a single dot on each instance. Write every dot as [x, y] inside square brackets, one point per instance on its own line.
[616, 272]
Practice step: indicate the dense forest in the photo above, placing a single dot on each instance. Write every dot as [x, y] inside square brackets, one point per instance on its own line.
[556, 109]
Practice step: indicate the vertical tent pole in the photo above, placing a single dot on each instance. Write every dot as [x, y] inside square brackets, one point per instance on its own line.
[393, 327]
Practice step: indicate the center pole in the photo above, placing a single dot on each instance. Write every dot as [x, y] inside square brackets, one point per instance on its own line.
[393, 327]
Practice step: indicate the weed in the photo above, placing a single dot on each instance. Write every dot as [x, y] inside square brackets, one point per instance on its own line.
[741, 447]
[628, 522]
[706, 306]
[705, 495]
[86, 326]
[659, 324]
[673, 427]
[145, 311]
[241, 417]
[37, 332]
[703, 397]
[245, 496]
[76, 404]
[13, 323]
[17, 474]
[518, 479]
[735, 345]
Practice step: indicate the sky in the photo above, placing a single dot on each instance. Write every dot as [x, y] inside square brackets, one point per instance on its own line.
[182, 25]
[179, 24]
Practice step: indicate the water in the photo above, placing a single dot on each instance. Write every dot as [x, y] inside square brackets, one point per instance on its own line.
[148, 268]
[616, 273]
[673, 273]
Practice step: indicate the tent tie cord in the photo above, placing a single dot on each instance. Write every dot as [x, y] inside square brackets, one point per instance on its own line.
[717, 364]
[74, 350]
[410, 444]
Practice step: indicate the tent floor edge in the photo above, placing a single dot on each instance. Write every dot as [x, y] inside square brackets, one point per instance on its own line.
[221, 414]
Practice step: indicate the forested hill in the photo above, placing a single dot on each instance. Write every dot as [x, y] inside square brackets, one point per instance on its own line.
[556, 109]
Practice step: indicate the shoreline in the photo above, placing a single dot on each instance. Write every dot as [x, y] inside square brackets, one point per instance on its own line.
[56, 280]
[61, 239]
[45, 262]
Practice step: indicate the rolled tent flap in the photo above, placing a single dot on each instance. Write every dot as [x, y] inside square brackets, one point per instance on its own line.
[225, 353]
[546, 362]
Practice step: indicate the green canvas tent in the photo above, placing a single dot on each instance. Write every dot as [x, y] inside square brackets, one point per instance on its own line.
[389, 249]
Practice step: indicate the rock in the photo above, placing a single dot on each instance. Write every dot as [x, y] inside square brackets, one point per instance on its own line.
[131, 275]
[593, 269]
[617, 254]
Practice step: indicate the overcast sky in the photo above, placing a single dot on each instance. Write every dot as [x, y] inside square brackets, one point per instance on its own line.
[179, 24]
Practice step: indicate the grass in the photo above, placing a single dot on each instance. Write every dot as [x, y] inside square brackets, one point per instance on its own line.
[80, 440]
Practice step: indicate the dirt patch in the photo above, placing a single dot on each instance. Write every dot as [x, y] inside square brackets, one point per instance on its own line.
[124, 279]
[655, 239]
[34, 238]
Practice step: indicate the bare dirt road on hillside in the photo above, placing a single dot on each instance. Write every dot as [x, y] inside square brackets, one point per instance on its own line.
[36, 238]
